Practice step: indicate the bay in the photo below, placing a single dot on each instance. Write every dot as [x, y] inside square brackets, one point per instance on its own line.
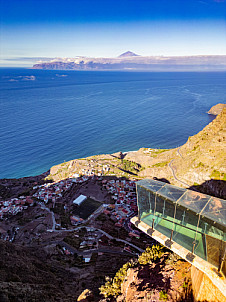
[51, 116]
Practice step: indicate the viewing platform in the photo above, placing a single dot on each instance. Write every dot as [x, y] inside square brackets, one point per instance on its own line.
[189, 223]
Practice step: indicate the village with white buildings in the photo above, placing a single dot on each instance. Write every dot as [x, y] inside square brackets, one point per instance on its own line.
[120, 210]
[15, 205]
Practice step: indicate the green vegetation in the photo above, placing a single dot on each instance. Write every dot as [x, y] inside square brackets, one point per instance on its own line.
[200, 164]
[82, 232]
[152, 254]
[185, 284]
[163, 295]
[155, 153]
[130, 166]
[195, 148]
[218, 175]
[112, 288]
[59, 208]
[160, 151]
[162, 164]
[49, 177]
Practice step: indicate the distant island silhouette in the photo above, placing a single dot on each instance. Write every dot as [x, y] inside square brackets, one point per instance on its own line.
[131, 61]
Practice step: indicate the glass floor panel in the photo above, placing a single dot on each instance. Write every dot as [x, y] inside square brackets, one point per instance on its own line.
[186, 224]
[167, 221]
[164, 227]
[145, 214]
[161, 225]
[182, 235]
[185, 237]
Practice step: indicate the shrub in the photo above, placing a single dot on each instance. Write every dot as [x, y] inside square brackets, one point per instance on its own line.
[152, 254]
[163, 295]
[112, 287]
[162, 164]
[200, 164]
[218, 175]
[195, 148]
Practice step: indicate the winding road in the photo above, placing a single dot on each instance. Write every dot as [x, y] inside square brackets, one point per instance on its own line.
[178, 151]
[174, 175]
[121, 240]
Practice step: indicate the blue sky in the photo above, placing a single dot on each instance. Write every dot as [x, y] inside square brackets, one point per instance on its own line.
[32, 29]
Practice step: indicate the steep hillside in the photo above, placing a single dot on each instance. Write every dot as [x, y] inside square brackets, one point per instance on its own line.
[215, 110]
[204, 155]
[201, 159]
[43, 273]
[156, 275]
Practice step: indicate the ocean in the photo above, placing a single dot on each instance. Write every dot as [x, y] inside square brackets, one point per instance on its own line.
[51, 116]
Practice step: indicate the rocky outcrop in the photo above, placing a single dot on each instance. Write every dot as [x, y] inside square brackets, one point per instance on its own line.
[217, 109]
[156, 282]
[212, 187]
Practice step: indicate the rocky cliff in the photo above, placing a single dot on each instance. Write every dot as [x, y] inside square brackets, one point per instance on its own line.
[156, 275]
[156, 283]
[201, 159]
[215, 110]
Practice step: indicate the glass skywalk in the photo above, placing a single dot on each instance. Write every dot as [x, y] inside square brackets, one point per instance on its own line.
[194, 220]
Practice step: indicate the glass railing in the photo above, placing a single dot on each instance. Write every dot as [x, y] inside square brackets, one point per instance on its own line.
[180, 222]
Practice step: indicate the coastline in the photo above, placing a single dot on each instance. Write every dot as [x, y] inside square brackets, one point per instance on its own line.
[139, 114]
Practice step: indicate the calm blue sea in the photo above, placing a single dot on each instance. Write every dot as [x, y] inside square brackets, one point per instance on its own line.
[48, 117]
